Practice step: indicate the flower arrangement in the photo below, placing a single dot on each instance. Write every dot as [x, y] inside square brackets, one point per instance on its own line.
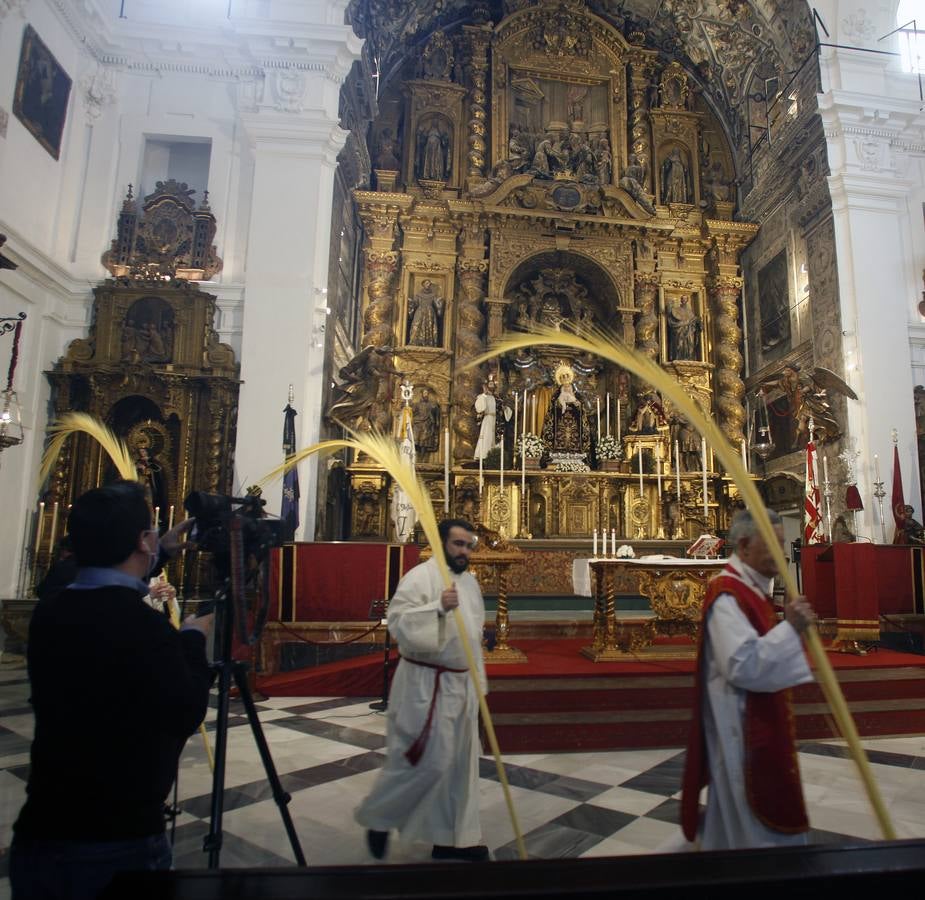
[572, 465]
[625, 551]
[609, 448]
[530, 445]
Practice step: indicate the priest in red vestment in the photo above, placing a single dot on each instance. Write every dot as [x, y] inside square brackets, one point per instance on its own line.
[742, 736]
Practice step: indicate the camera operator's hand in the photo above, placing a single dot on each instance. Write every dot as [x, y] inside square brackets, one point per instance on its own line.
[173, 541]
[202, 624]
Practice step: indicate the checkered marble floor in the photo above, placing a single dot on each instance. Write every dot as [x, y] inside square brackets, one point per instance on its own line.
[327, 752]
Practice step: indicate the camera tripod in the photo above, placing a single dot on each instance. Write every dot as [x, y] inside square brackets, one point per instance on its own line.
[227, 602]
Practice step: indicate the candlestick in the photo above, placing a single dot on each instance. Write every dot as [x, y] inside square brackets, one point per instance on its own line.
[827, 494]
[619, 435]
[703, 457]
[533, 426]
[522, 448]
[446, 469]
[170, 519]
[516, 405]
[608, 413]
[54, 528]
[598, 419]
[639, 454]
[523, 475]
[594, 545]
[39, 528]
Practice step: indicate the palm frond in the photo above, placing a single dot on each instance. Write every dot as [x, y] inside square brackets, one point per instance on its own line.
[77, 422]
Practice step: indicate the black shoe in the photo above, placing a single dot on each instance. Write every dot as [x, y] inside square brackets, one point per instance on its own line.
[377, 841]
[478, 853]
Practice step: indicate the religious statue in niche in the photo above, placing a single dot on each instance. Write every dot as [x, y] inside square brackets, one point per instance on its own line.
[425, 423]
[566, 426]
[488, 407]
[434, 157]
[550, 298]
[363, 398]
[150, 446]
[649, 415]
[148, 331]
[633, 182]
[684, 434]
[684, 327]
[425, 314]
[675, 180]
[387, 155]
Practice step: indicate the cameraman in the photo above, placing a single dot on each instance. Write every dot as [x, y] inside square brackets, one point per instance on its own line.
[116, 691]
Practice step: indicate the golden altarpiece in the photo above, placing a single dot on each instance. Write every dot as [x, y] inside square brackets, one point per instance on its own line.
[548, 170]
[152, 367]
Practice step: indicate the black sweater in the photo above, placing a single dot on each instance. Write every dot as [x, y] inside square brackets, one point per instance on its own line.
[116, 691]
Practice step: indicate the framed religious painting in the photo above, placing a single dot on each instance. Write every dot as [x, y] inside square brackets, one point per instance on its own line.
[774, 308]
[42, 92]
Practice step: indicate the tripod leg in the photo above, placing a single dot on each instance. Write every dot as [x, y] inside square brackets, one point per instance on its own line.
[279, 795]
[383, 704]
[212, 844]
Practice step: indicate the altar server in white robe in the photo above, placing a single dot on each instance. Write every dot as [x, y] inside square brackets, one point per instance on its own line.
[742, 736]
[428, 788]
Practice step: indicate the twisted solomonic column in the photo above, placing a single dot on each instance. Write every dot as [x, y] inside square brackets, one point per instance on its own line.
[478, 101]
[377, 319]
[646, 290]
[470, 325]
[730, 389]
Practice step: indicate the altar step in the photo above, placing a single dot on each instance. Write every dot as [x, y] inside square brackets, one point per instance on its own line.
[561, 701]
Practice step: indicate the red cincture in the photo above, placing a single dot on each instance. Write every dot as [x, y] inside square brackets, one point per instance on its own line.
[772, 775]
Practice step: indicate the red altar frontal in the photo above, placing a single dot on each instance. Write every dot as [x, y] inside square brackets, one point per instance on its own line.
[855, 583]
[334, 582]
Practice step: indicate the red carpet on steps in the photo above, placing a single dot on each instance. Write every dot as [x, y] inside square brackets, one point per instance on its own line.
[560, 700]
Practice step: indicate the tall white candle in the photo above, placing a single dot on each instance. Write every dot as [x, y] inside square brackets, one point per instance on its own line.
[54, 527]
[613, 541]
[480, 475]
[157, 517]
[825, 469]
[639, 455]
[608, 413]
[39, 528]
[533, 426]
[502, 467]
[677, 473]
[516, 406]
[170, 519]
[876, 468]
[522, 449]
[744, 456]
[703, 457]
[594, 545]
[598, 419]
[658, 469]
[446, 469]
[604, 545]
[619, 435]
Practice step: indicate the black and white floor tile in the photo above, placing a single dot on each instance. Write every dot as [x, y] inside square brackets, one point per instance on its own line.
[327, 752]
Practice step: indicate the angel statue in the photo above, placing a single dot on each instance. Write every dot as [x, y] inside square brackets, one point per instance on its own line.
[363, 400]
[808, 393]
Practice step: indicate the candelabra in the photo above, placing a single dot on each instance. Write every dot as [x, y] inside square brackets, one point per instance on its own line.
[880, 493]
[827, 492]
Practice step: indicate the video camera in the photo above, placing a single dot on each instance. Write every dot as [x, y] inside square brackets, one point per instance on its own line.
[214, 514]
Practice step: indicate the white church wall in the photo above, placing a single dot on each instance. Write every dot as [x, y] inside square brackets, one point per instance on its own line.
[876, 142]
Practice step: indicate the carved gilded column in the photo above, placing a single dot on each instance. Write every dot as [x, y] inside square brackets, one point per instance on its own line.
[470, 324]
[724, 293]
[479, 36]
[640, 71]
[646, 289]
[379, 213]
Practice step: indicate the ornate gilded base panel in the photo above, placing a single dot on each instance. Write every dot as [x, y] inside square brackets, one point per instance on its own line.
[506, 655]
